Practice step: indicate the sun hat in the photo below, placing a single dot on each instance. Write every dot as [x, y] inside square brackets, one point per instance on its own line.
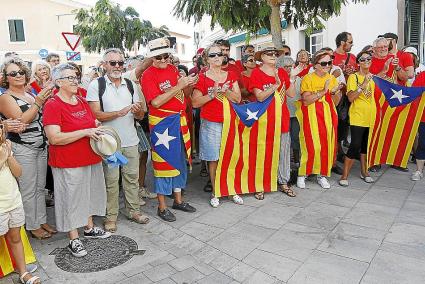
[159, 46]
[108, 143]
[257, 55]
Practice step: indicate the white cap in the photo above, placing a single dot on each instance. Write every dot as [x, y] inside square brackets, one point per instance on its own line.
[411, 49]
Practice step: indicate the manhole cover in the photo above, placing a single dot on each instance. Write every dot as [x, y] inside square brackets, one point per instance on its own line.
[102, 254]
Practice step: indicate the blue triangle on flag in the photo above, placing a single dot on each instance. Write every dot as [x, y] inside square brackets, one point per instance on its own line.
[167, 141]
[251, 112]
[398, 95]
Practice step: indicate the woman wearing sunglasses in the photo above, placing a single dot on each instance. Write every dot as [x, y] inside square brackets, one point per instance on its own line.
[265, 81]
[249, 64]
[208, 94]
[318, 121]
[29, 146]
[360, 90]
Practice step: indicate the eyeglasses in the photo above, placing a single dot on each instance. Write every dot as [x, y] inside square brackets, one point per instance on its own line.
[364, 59]
[114, 63]
[71, 78]
[16, 73]
[325, 63]
[271, 53]
[215, 54]
[161, 57]
[287, 66]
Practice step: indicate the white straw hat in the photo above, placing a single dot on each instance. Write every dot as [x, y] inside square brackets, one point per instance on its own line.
[159, 46]
[108, 143]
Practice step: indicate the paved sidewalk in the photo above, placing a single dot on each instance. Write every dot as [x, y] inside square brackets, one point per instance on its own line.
[361, 234]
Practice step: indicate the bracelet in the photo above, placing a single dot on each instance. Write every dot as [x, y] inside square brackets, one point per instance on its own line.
[317, 95]
[211, 95]
[37, 105]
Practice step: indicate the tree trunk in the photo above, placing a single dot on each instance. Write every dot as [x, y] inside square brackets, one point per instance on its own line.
[275, 24]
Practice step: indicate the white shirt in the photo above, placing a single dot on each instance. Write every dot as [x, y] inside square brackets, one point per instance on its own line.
[115, 99]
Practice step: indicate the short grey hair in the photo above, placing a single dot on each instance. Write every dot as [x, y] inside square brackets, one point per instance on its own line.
[112, 50]
[133, 61]
[378, 40]
[58, 70]
[287, 60]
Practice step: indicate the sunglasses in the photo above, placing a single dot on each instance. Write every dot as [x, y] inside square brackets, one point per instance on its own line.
[364, 59]
[15, 73]
[272, 53]
[215, 54]
[350, 42]
[161, 57]
[286, 54]
[114, 63]
[325, 63]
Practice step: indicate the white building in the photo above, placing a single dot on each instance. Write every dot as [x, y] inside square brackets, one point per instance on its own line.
[364, 21]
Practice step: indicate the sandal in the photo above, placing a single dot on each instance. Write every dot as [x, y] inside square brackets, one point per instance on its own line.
[49, 229]
[139, 218]
[259, 195]
[40, 234]
[287, 190]
[203, 172]
[237, 199]
[208, 186]
[110, 226]
[31, 280]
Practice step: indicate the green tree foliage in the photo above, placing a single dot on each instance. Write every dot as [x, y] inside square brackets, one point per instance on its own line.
[106, 25]
[252, 15]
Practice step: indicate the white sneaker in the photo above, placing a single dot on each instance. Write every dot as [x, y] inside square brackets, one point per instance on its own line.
[417, 176]
[237, 199]
[301, 182]
[323, 182]
[214, 202]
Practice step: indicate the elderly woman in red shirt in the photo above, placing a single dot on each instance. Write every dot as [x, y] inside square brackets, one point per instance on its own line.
[77, 170]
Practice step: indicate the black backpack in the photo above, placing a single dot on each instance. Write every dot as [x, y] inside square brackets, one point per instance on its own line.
[102, 87]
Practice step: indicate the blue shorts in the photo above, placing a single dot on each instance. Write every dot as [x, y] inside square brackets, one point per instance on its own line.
[210, 140]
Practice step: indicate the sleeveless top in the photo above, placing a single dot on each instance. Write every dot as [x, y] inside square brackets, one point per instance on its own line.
[33, 136]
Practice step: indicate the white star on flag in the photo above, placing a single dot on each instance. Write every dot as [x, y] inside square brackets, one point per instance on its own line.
[251, 115]
[164, 139]
[398, 95]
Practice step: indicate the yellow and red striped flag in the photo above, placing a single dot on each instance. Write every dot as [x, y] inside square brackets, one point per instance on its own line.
[7, 262]
[395, 125]
[318, 135]
[249, 155]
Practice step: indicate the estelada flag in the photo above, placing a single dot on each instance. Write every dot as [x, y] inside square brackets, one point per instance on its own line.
[168, 131]
[249, 149]
[7, 262]
[395, 125]
[318, 134]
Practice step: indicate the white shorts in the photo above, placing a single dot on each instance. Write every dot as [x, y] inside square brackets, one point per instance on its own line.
[12, 219]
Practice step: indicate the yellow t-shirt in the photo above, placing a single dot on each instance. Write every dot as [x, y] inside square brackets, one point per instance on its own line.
[10, 197]
[313, 83]
[362, 108]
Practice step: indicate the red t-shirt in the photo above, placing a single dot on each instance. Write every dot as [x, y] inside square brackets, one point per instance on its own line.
[213, 110]
[245, 84]
[156, 81]
[378, 64]
[233, 68]
[70, 118]
[420, 82]
[260, 80]
[340, 59]
[238, 63]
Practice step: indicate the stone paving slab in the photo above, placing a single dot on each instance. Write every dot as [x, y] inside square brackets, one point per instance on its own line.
[365, 233]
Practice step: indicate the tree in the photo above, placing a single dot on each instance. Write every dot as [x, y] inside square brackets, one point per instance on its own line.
[106, 25]
[252, 15]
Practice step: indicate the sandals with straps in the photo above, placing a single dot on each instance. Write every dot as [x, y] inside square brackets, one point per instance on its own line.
[32, 280]
[259, 195]
[287, 190]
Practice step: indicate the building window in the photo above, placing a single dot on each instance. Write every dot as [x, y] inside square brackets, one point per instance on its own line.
[16, 30]
[316, 42]
[183, 49]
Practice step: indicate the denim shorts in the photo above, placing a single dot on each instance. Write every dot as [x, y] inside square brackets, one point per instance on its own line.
[210, 140]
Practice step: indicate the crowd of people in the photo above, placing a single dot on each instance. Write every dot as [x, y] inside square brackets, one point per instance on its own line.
[60, 128]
